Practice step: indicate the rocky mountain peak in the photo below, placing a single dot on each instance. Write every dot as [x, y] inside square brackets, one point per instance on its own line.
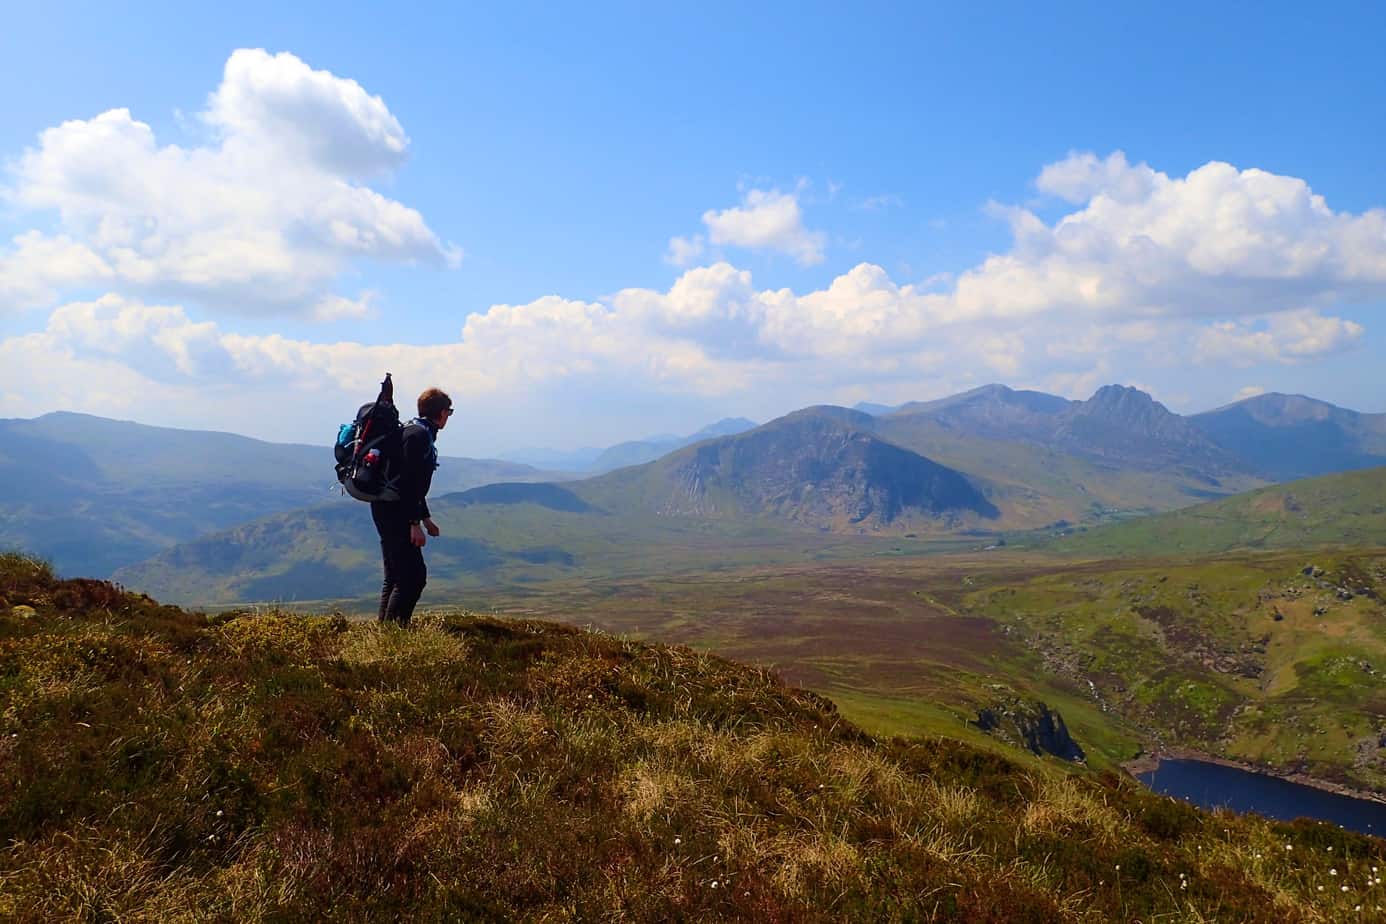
[1122, 423]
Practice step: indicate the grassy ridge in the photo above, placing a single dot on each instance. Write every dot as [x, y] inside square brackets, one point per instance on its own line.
[1347, 509]
[160, 765]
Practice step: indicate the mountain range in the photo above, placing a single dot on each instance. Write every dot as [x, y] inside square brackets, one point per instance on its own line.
[96, 495]
[594, 461]
[92, 494]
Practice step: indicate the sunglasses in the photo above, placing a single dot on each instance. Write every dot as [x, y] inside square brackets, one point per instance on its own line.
[448, 411]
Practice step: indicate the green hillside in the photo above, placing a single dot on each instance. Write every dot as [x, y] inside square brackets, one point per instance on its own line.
[500, 538]
[162, 765]
[1273, 659]
[1347, 509]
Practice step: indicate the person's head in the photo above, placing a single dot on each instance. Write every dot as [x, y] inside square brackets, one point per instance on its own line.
[435, 405]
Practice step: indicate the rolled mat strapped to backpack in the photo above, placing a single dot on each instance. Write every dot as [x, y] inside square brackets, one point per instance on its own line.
[369, 450]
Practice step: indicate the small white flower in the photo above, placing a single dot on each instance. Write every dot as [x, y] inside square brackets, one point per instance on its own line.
[218, 813]
[677, 841]
[714, 883]
[1320, 888]
[1118, 866]
[1333, 872]
[1344, 888]
[1289, 846]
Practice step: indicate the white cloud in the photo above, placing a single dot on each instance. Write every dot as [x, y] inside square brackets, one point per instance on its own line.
[1290, 337]
[37, 265]
[263, 219]
[1249, 391]
[277, 103]
[337, 307]
[1082, 176]
[1218, 242]
[1147, 276]
[767, 220]
[684, 251]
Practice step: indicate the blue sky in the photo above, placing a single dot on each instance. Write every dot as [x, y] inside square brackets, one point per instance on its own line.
[549, 159]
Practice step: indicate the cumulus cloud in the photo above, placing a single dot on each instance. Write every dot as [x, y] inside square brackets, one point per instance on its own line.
[276, 102]
[1217, 242]
[1249, 391]
[261, 219]
[1145, 275]
[36, 265]
[767, 220]
[337, 307]
[684, 251]
[1291, 337]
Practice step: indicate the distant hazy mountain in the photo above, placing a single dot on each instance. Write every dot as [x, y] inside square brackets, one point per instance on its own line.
[870, 407]
[557, 460]
[638, 452]
[1126, 426]
[1117, 424]
[1041, 458]
[593, 461]
[822, 466]
[994, 412]
[92, 494]
[1291, 436]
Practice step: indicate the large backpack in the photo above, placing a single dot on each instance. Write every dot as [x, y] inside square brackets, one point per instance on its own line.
[369, 450]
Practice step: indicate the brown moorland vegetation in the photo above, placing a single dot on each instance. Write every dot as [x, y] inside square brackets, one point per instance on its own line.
[157, 764]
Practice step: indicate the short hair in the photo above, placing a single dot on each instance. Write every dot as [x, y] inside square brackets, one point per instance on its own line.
[433, 402]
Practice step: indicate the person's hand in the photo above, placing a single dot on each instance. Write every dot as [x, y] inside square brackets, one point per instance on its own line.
[432, 527]
[416, 535]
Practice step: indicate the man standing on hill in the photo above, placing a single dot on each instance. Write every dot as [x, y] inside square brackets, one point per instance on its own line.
[402, 524]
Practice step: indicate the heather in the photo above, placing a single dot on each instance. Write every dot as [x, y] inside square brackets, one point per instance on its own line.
[160, 764]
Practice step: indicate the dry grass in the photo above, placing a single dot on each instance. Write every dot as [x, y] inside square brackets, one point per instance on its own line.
[159, 766]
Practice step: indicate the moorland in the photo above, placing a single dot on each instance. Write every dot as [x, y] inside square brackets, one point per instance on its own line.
[158, 764]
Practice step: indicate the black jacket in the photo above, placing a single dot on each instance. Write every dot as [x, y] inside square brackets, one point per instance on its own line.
[420, 458]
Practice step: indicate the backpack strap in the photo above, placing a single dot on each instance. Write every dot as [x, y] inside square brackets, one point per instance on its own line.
[432, 438]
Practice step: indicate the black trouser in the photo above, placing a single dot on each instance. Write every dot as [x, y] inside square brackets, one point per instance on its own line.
[405, 572]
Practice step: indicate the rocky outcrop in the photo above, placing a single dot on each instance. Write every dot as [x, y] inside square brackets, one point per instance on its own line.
[1031, 724]
[1126, 426]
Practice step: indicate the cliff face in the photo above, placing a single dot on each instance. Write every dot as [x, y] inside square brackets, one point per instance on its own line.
[1030, 724]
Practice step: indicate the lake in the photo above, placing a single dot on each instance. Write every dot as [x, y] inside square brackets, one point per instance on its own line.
[1215, 786]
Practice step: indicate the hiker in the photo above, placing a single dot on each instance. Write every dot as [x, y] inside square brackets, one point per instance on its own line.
[402, 524]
